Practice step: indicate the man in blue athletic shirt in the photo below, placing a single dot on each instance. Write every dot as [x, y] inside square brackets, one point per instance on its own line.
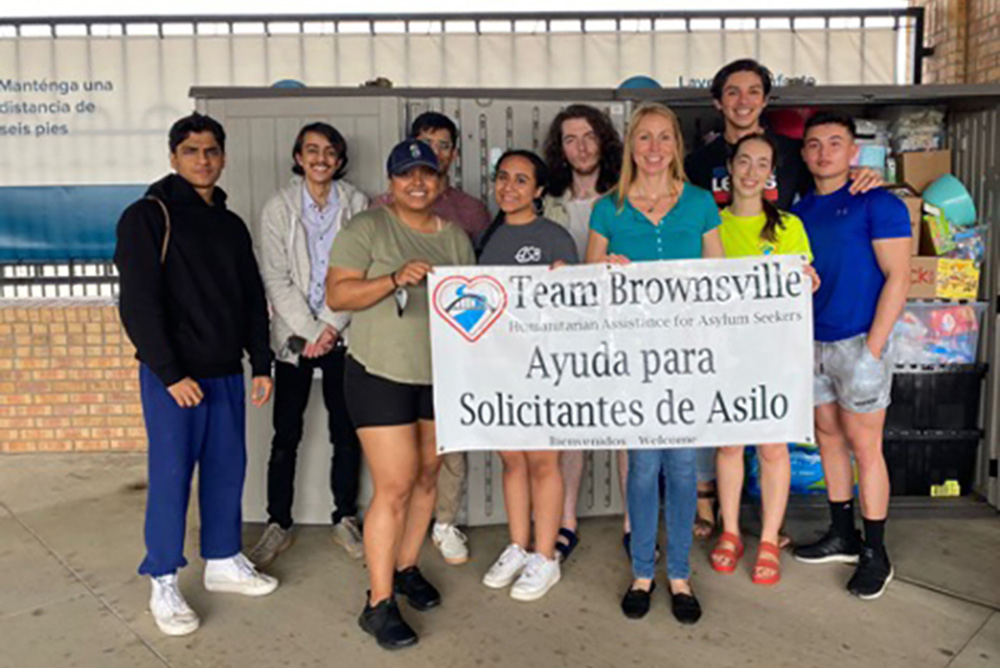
[861, 245]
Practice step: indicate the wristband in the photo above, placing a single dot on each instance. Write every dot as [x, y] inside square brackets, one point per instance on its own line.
[392, 277]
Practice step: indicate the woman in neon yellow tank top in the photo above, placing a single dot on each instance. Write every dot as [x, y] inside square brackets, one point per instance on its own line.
[753, 226]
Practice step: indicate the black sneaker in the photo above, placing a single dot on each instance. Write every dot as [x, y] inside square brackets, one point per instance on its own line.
[418, 591]
[635, 605]
[387, 626]
[873, 575]
[832, 547]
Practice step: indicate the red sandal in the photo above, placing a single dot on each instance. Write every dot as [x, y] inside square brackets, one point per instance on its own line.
[718, 554]
[773, 565]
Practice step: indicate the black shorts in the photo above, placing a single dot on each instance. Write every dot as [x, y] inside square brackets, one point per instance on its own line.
[373, 401]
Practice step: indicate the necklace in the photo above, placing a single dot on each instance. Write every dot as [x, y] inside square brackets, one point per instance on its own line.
[654, 200]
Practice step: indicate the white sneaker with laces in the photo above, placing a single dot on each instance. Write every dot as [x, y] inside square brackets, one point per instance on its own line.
[236, 575]
[506, 568]
[169, 609]
[537, 578]
[451, 542]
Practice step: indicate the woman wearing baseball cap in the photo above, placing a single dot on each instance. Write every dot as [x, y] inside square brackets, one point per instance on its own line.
[378, 268]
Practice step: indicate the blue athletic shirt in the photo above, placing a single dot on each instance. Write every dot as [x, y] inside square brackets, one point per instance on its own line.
[677, 237]
[841, 228]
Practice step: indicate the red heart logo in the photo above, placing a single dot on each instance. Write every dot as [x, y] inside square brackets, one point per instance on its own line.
[470, 305]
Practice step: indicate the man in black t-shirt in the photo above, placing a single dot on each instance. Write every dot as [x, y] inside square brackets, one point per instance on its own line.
[740, 91]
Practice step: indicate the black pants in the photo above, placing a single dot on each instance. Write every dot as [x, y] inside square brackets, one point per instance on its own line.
[292, 385]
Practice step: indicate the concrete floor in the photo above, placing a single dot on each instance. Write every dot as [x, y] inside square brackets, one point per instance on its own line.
[71, 537]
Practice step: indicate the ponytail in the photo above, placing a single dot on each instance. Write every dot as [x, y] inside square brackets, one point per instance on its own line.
[774, 221]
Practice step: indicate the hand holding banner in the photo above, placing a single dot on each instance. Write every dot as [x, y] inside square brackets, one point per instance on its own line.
[653, 354]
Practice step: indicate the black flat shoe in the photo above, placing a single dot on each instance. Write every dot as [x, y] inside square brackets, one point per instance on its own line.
[420, 593]
[635, 605]
[685, 607]
[387, 626]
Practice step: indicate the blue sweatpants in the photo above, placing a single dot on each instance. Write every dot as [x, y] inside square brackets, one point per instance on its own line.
[211, 435]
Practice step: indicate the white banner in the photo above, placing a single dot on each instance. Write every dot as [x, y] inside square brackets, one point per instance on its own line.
[648, 355]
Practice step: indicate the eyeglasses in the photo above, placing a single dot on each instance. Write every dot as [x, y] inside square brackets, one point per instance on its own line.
[440, 145]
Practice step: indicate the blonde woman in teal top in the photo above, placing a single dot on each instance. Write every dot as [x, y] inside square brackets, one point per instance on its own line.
[654, 214]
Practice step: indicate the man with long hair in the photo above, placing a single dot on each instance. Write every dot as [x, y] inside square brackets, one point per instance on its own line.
[584, 155]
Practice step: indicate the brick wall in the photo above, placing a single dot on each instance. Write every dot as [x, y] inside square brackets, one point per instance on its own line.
[68, 381]
[965, 35]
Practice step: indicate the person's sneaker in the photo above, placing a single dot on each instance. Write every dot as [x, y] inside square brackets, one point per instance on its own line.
[506, 568]
[872, 576]
[347, 534]
[170, 611]
[420, 593]
[273, 542]
[236, 575]
[451, 542]
[537, 578]
[832, 547]
[387, 625]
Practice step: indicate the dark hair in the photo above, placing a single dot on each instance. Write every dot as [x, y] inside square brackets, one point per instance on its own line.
[541, 181]
[832, 118]
[193, 124]
[561, 174]
[332, 135]
[741, 65]
[771, 213]
[432, 120]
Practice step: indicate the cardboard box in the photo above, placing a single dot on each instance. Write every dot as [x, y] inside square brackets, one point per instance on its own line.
[921, 168]
[937, 235]
[915, 206]
[943, 278]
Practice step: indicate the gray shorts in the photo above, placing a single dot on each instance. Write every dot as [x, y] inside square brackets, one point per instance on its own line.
[847, 373]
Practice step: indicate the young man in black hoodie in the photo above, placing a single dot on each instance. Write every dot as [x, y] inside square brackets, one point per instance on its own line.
[192, 301]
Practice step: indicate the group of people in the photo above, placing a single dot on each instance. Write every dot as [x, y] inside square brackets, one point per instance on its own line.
[345, 279]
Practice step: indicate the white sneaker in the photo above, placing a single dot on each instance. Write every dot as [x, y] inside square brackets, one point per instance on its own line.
[506, 568]
[236, 575]
[537, 578]
[172, 613]
[452, 543]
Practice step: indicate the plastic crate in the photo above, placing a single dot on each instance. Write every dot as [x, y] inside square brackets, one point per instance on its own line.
[917, 460]
[943, 398]
[938, 333]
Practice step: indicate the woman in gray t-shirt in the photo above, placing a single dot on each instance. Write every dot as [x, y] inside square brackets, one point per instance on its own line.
[532, 483]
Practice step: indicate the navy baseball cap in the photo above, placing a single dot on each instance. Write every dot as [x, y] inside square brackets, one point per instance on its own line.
[409, 154]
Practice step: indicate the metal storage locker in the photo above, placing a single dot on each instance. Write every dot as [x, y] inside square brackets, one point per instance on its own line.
[262, 123]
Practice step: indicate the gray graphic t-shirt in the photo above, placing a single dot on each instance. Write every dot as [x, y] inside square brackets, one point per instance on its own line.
[539, 242]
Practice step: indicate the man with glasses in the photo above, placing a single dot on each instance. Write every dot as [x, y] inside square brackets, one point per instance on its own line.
[440, 133]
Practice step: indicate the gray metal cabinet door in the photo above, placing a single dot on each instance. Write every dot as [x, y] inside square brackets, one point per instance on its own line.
[261, 131]
[974, 137]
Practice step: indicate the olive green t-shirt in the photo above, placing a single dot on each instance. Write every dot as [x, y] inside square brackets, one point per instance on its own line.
[376, 242]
